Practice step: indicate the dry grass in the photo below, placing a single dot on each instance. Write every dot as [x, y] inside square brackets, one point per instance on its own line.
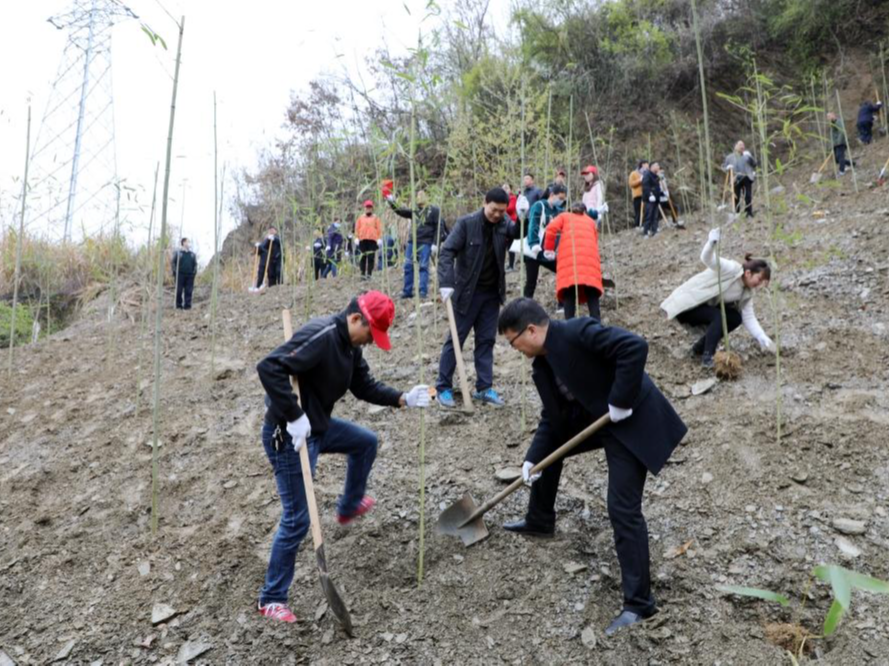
[728, 365]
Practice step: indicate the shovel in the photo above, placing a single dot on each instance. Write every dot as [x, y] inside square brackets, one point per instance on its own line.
[458, 354]
[334, 600]
[463, 519]
[882, 177]
[817, 175]
[725, 188]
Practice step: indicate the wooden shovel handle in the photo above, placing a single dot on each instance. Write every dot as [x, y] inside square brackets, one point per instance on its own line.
[304, 462]
[558, 454]
[458, 355]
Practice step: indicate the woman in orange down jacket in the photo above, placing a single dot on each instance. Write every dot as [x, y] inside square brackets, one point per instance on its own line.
[578, 270]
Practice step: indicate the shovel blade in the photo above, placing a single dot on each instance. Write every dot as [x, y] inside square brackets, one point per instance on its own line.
[452, 522]
[334, 600]
[816, 177]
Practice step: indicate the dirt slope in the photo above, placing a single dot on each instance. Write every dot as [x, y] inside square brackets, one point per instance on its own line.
[77, 562]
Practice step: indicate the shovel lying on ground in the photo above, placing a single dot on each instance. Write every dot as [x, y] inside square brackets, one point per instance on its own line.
[463, 519]
[817, 175]
[334, 600]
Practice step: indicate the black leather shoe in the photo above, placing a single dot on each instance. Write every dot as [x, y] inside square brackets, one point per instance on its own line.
[625, 619]
[530, 529]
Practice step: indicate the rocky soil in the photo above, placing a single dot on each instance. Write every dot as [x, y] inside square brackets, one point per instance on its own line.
[82, 581]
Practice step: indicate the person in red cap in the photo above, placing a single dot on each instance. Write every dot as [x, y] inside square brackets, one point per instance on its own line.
[326, 356]
[593, 197]
[368, 231]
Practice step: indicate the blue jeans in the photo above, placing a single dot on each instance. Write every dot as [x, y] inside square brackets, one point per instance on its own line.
[360, 444]
[424, 251]
[484, 309]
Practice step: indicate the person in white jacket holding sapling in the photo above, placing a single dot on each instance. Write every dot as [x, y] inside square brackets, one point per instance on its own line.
[696, 301]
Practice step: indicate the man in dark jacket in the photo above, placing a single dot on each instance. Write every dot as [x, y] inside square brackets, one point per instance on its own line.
[471, 270]
[269, 252]
[651, 195]
[582, 371]
[325, 355]
[531, 192]
[431, 232]
[334, 248]
[185, 268]
[319, 256]
[866, 113]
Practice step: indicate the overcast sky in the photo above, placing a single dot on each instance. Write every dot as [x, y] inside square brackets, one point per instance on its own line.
[251, 53]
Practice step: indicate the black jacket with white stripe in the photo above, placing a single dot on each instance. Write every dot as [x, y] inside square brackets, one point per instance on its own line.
[322, 356]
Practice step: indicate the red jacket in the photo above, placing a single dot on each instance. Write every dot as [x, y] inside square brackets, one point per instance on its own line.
[578, 259]
[368, 227]
[510, 209]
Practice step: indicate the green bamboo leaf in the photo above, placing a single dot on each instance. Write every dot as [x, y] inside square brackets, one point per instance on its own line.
[863, 582]
[151, 35]
[756, 592]
[161, 40]
[836, 576]
[832, 620]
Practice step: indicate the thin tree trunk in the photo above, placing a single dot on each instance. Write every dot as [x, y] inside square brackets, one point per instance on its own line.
[18, 246]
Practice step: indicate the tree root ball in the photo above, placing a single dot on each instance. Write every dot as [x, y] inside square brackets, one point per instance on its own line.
[790, 637]
[728, 365]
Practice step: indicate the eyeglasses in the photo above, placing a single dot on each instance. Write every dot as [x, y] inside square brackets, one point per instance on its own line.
[518, 335]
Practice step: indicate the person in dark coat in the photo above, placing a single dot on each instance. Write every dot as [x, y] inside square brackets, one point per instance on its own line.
[319, 259]
[326, 358]
[866, 113]
[334, 248]
[185, 268]
[270, 252]
[582, 371]
[651, 195]
[531, 193]
[431, 232]
[471, 270]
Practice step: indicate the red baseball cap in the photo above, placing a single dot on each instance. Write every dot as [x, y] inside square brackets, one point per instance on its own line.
[379, 311]
[589, 169]
[368, 203]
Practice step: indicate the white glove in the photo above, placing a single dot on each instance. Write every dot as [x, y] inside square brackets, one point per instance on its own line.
[537, 249]
[603, 209]
[664, 199]
[379, 243]
[619, 414]
[417, 396]
[390, 198]
[299, 431]
[651, 198]
[715, 235]
[347, 254]
[766, 344]
[446, 293]
[257, 244]
[434, 249]
[327, 249]
[747, 153]
[270, 237]
[549, 254]
[527, 477]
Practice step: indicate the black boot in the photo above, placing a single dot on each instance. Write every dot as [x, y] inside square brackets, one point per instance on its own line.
[530, 529]
[697, 349]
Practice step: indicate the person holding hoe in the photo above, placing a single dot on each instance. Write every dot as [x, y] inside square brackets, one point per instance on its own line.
[471, 271]
[269, 272]
[431, 232]
[368, 231]
[583, 370]
[325, 355]
[696, 301]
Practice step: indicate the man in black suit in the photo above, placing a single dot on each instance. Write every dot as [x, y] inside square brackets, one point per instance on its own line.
[583, 370]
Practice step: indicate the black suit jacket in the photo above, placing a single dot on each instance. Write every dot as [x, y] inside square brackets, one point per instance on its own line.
[601, 366]
[463, 254]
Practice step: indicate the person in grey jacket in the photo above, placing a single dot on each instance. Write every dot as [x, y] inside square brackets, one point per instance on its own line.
[471, 271]
[743, 167]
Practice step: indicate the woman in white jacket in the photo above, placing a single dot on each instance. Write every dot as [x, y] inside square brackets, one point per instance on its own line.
[696, 301]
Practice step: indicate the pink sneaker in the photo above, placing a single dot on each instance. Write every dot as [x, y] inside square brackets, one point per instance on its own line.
[277, 612]
[367, 503]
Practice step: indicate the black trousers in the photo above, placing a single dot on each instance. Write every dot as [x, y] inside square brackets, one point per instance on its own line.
[592, 301]
[637, 210]
[184, 287]
[711, 317]
[318, 265]
[839, 155]
[511, 260]
[652, 217]
[532, 272]
[368, 250]
[626, 481]
[274, 272]
[744, 185]
[866, 132]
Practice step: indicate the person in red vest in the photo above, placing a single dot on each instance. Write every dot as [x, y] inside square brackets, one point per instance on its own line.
[578, 270]
[368, 231]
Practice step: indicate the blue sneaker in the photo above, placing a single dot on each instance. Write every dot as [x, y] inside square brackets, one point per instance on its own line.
[489, 396]
[446, 399]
